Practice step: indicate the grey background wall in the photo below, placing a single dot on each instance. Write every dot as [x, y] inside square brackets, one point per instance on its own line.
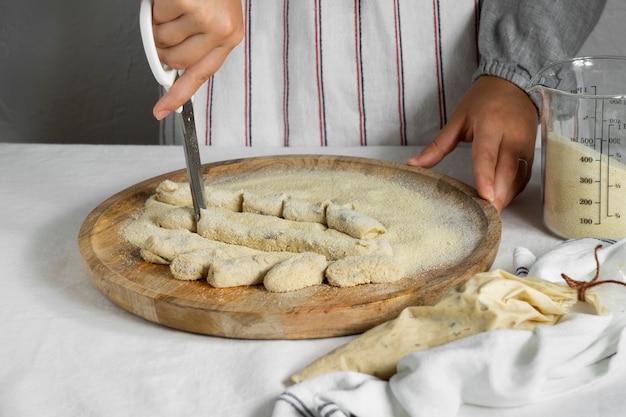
[73, 71]
[609, 36]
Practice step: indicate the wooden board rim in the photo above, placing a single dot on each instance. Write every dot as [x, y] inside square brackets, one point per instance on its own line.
[173, 308]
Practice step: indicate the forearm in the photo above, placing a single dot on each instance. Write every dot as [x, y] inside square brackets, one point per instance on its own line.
[519, 37]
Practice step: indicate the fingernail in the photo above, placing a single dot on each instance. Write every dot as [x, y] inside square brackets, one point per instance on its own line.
[161, 114]
[490, 195]
[414, 160]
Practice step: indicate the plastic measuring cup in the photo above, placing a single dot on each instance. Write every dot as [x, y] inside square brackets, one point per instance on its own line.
[583, 139]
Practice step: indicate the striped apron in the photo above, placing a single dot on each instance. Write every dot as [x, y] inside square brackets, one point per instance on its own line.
[338, 73]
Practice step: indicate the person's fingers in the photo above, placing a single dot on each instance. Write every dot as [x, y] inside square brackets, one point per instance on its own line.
[501, 172]
[485, 160]
[166, 11]
[444, 143]
[172, 33]
[181, 44]
[195, 36]
[189, 82]
[504, 184]
[186, 31]
[189, 53]
[501, 121]
[507, 187]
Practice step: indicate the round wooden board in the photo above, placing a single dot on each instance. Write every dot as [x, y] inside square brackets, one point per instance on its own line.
[149, 290]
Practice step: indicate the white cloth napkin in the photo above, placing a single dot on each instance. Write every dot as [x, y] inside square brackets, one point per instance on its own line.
[501, 368]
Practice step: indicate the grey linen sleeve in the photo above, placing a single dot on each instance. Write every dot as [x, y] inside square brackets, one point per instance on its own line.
[517, 38]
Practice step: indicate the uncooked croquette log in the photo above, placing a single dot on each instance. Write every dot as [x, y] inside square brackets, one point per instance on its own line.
[357, 270]
[272, 238]
[148, 256]
[245, 270]
[305, 211]
[337, 216]
[195, 265]
[352, 222]
[269, 205]
[256, 220]
[174, 193]
[299, 271]
[144, 226]
[492, 300]
[224, 198]
[192, 266]
[178, 241]
[177, 218]
[179, 194]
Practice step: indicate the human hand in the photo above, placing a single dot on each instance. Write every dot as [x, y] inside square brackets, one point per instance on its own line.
[197, 36]
[501, 121]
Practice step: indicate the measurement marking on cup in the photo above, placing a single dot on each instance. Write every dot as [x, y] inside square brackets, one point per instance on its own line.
[612, 139]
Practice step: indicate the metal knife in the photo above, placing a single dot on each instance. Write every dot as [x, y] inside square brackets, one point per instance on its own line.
[192, 157]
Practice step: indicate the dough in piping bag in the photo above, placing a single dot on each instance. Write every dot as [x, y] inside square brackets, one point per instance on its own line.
[488, 301]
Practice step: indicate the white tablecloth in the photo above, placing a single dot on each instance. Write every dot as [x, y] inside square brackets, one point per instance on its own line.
[66, 350]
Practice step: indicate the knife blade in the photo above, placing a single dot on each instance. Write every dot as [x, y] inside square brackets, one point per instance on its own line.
[192, 158]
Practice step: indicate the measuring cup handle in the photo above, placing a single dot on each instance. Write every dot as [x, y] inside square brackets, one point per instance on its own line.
[163, 74]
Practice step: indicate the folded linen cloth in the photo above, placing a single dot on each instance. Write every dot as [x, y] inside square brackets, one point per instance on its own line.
[575, 258]
[498, 368]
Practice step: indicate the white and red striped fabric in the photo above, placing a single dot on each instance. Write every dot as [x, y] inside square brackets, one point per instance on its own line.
[339, 73]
